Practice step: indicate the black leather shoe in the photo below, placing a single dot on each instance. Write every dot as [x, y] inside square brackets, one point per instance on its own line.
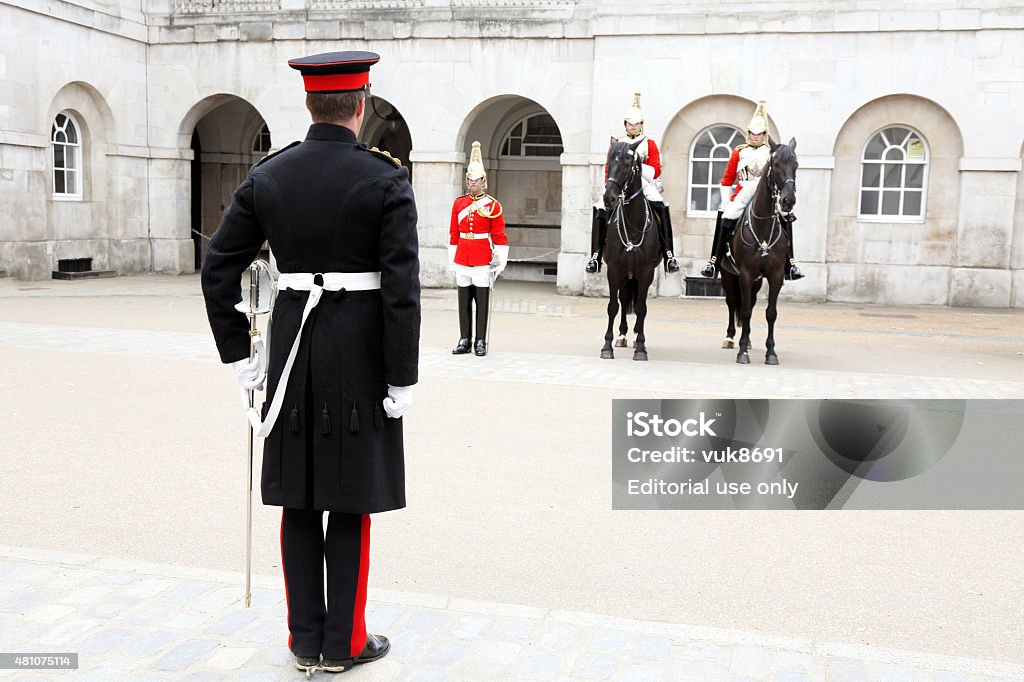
[794, 273]
[709, 269]
[671, 265]
[377, 647]
[481, 347]
[462, 347]
[307, 663]
[592, 265]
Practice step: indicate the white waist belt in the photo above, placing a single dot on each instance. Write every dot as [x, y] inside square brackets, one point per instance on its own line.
[474, 235]
[304, 281]
[333, 281]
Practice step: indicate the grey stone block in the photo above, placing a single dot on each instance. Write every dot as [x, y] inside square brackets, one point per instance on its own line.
[846, 670]
[543, 666]
[151, 643]
[445, 654]
[231, 623]
[185, 654]
[594, 666]
[500, 653]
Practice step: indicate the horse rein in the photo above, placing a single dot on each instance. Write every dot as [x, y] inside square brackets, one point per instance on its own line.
[621, 228]
[776, 193]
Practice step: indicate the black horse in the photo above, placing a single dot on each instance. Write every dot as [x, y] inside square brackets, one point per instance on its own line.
[632, 246]
[759, 247]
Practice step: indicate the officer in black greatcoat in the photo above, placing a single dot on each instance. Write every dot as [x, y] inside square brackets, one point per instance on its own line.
[341, 221]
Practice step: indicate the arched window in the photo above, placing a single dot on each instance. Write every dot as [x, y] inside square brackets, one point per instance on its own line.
[261, 142]
[708, 158]
[67, 157]
[535, 135]
[892, 179]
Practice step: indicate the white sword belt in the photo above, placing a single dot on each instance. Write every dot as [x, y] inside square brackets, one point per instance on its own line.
[474, 235]
[315, 284]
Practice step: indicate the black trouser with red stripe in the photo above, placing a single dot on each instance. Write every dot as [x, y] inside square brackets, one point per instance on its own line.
[337, 630]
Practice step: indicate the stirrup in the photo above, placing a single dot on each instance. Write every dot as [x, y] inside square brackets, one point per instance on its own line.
[593, 265]
[794, 272]
[671, 264]
[709, 269]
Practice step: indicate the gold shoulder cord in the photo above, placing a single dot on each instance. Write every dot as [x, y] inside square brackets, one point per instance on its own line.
[480, 211]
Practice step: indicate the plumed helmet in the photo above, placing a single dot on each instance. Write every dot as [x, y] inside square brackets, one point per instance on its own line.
[475, 169]
[759, 123]
[634, 114]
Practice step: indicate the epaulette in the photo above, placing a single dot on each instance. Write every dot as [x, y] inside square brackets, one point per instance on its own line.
[740, 146]
[273, 154]
[384, 155]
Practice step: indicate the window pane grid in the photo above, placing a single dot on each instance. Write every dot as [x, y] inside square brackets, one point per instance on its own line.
[708, 159]
[893, 168]
[536, 135]
[66, 144]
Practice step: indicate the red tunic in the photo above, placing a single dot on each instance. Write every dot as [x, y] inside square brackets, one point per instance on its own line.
[485, 217]
[650, 157]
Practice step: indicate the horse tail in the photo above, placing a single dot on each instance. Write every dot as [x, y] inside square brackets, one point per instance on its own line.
[632, 290]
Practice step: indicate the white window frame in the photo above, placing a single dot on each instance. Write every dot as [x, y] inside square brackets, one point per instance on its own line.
[77, 169]
[738, 138]
[257, 139]
[506, 139]
[904, 163]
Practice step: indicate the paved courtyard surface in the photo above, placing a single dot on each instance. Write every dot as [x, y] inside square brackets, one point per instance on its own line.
[123, 504]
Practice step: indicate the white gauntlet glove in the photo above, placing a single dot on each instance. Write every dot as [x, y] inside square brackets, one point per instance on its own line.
[501, 254]
[451, 258]
[399, 400]
[251, 372]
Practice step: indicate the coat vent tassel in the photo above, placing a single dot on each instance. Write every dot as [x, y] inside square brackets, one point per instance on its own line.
[353, 420]
[293, 420]
[378, 417]
[325, 422]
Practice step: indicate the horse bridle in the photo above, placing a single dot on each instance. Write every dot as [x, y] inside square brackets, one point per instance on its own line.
[776, 193]
[621, 229]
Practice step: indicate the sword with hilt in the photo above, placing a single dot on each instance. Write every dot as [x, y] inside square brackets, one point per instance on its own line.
[261, 286]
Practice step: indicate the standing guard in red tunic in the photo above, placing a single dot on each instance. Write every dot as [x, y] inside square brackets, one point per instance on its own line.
[651, 170]
[477, 225]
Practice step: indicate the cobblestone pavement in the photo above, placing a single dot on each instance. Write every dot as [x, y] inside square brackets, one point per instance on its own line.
[678, 377]
[143, 621]
[146, 621]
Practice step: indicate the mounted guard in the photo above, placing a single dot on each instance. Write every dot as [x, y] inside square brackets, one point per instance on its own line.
[647, 150]
[477, 225]
[746, 166]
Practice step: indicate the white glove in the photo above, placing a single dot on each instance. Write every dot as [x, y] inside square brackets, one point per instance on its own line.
[451, 258]
[501, 254]
[725, 193]
[250, 372]
[399, 400]
[647, 172]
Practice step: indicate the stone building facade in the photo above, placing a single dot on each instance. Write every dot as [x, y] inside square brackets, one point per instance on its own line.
[126, 124]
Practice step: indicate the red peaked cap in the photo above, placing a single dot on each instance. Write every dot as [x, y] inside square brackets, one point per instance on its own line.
[336, 71]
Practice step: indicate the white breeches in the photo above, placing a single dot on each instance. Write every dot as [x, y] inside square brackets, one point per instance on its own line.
[476, 275]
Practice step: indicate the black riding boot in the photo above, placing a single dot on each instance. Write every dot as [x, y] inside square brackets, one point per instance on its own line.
[792, 271]
[665, 236]
[598, 233]
[716, 247]
[465, 321]
[483, 296]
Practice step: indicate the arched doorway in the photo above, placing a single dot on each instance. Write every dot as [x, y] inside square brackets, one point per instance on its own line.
[386, 129]
[229, 135]
[522, 146]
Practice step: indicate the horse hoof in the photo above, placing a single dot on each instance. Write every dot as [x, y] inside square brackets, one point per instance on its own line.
[771, 359]
[640, 355]
[608, 354]
[620, 342]
[743, 359]
[728, 343]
